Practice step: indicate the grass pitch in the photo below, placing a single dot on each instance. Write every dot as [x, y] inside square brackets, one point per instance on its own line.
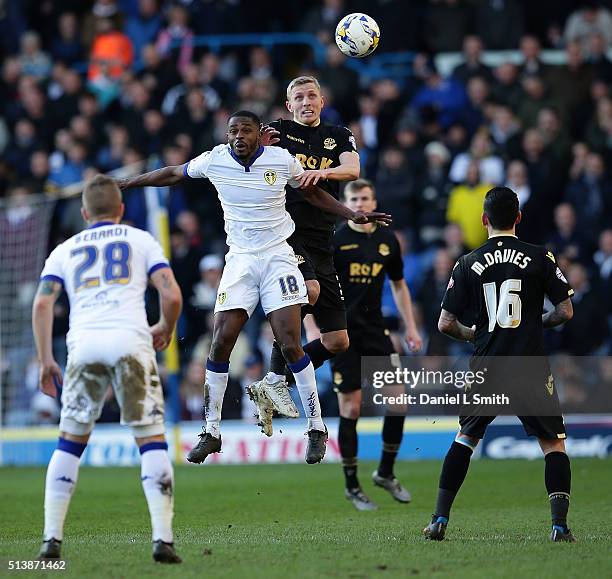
[292, 521]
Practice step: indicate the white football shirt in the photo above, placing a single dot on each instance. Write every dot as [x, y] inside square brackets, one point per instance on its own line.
[252, 196]
[105, 271]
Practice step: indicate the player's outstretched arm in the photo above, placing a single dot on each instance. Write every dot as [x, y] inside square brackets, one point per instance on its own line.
[450, 326]
[164, 177]
[348, 170]
[323, 200]
[42, 327]
[403, 301]
[171, 303]
[563, 312]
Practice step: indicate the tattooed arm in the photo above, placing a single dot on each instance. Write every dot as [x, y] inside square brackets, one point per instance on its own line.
[171, 303]
[563, 312]
[42, 327]
[449, 325]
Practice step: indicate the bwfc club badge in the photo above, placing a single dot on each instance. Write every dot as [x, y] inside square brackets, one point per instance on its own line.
[270, 177]
[221, 298]
[384, 250]
[329, 143]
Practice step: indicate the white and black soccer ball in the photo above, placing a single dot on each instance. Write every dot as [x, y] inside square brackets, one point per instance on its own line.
[357, 35]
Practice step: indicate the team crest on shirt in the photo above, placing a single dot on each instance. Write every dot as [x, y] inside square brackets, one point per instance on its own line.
[270, 177]
[329, 143]
[384, 249]
[221, 298]
[337, 378]
[560, 275]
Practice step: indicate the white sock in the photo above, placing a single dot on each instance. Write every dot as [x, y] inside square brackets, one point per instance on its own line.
[271, 378]
[157, 480]
[304, 374]
[214, 392]
[62, 475]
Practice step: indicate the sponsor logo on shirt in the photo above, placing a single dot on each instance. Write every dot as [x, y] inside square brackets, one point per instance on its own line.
[292, 138]
[270, 177]
[349, 246]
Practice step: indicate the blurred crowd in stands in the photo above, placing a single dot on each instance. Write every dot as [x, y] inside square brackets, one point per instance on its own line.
[90, 87]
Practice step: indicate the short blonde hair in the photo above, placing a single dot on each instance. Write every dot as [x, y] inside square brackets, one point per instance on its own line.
[102, 197]
[300, 80]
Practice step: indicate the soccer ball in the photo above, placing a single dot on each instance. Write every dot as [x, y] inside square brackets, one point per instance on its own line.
[357, 35]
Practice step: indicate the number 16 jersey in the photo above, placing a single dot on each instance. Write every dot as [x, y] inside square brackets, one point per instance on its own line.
[503, 284]
[105, 271]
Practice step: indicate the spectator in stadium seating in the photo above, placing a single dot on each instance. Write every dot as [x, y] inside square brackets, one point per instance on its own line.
[157, 132]
[178, 31]
[191, 78]
[531, 51]
[473, 116]
[472, 62]
[587, 332]
[38, 180]
[566, 240]
[456, 140]
[390, 103]
[516, 179]
[598, 134]
[499, 24]
[110, 156]
[407, 139]
[580, 152]
[534, 98]
[505, 131]
[193, 117]
[465, 206]
[189, 223]
[25, 141]
[185, 262]
[111, 52]
[260, 64]
[66, 105]
[432, 191]
[190, 389]
[453, 241]
[552, 130]
[323, 17]
[73, 168]
[603, 262]
[157, 74]
[506, 88]
[210, 74]
[490, 166]
[591, 18]
[591, 197]
[143, 28]
[204, 292]
[32, 59]
[446, 97]
[342, 81]
[136, 101]
[66, 45]
[395, 184]
[597, 57]
[446, 24]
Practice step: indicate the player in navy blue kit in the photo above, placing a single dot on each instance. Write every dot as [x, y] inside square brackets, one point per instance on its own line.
[363, 256]
[504, 283]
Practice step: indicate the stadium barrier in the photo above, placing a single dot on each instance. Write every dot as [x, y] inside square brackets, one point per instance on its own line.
[425, 438]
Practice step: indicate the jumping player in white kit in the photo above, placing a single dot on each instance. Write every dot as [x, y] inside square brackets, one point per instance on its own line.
[260, 266]
[105, 270]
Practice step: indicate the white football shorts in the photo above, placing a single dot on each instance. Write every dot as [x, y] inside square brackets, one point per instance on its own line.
[133, 375]
[271, 276]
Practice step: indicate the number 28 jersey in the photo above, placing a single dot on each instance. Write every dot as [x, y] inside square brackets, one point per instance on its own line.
[503, 284]
[105, 271]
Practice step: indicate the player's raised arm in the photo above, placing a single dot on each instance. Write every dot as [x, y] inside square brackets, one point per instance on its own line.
[171, 303]
[164, 177]
[323, 200]
[42, 326]
[563, 312]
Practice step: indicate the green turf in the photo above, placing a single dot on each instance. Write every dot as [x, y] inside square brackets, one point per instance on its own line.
[292, 521]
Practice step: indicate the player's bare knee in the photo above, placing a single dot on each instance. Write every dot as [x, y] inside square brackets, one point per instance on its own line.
[349, 404]
[551, 445]
[292, 350]
[335, 342]
[220, 349]
[80, 438]
[140, 441]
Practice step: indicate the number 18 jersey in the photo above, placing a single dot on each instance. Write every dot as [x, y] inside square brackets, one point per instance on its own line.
[105, 270]
[503, 284]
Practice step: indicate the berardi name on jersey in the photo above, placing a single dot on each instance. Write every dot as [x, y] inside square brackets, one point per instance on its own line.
[514, 256]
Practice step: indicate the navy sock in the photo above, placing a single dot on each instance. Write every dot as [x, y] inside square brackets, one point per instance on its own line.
[347, 441]
[392, 433]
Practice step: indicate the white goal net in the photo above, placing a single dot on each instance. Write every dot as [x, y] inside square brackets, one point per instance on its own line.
[24, 236]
